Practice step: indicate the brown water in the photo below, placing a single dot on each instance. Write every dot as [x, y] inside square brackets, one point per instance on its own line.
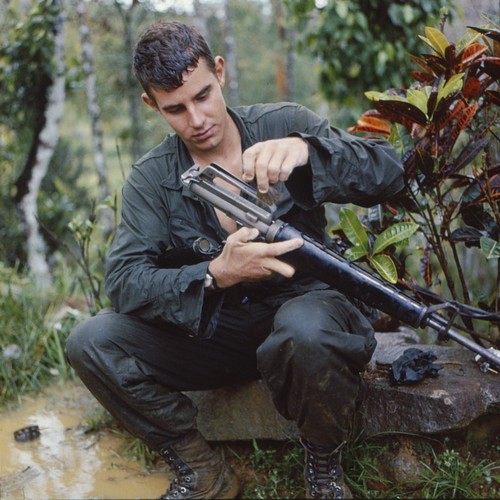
[65, 462]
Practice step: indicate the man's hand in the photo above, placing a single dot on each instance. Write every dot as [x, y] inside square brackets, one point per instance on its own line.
[274, 160]
[243, 259]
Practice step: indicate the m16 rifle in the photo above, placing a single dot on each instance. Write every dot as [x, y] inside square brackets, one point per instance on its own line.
[328, 265]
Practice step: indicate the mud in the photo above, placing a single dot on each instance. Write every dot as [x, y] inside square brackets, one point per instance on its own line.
[66, 462]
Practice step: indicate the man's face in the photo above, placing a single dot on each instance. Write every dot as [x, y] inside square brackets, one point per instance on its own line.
[196, 110]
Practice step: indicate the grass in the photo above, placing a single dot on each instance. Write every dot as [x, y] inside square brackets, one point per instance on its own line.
[281, 469]
[31, 348]
[456, 476]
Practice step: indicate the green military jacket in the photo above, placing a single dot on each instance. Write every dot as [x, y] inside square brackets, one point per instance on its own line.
[159, 213]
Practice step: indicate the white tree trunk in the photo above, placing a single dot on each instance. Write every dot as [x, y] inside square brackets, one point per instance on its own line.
[36, 248]
[232, 70]
[93, 108]
[94, 112]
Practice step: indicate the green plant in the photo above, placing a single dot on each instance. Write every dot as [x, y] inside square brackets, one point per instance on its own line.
[135, 449]
[360, 461]
[455, 476]
[31, 344]
[362, 43]
[91, 253]
[445, 126]
[374, 250]
[98, 419]
[282, 474]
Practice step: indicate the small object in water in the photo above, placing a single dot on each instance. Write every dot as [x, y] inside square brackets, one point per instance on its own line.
[27, 433]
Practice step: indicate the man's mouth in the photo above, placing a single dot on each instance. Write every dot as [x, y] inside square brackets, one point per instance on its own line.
[201, 136]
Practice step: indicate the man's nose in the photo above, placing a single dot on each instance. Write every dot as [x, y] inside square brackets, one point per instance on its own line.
[196, 117]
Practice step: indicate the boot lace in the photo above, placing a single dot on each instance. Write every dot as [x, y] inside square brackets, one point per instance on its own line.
[323, 472]
[182, 485]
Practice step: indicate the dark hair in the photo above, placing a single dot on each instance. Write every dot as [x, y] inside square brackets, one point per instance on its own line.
[165, 51]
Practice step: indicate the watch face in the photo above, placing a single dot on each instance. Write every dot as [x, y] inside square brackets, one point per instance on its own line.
[209, 282]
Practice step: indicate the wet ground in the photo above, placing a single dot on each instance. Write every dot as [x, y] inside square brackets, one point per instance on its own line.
[65, 462]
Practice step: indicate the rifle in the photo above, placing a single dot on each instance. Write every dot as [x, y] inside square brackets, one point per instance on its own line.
[326, 264]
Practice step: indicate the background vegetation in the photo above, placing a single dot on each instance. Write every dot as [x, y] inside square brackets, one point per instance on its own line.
[325, 55]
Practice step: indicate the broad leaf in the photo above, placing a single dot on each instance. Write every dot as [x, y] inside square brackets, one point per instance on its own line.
[393, 235]
[385, 266]
[424, 162]
[355, 253]
[354, 230]
[400, 112]
[493, 96]
[462, 121]
[467, 155]
[419, 98]
[371, 124]
[374, 95]
[437, 64]
[468, 235]
[448, 113]
[400, 139]
[490, 248]
[472, 87]
[494, 34]
[491, 66]
[471, 51]
[436, 40]
[454, 84]
[420, 61]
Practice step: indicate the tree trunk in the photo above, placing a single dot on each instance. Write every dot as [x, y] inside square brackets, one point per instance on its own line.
[232, 70]
[291, 52]
[285, 72]
[92, 104]
[94, 113]
[43, 148]
[128, 37]
[200, 19]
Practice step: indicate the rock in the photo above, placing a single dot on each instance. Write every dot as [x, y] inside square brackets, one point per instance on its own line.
[458, 396]
[242, 412]
[403, 464]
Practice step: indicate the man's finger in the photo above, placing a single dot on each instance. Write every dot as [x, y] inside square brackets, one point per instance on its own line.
[283, 268]
[282, 247]
[245, 234]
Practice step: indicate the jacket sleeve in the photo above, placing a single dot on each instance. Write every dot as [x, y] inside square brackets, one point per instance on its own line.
[135, 283]
[342, 168]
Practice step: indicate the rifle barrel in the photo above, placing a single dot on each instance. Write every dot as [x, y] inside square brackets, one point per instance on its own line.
[335, 270]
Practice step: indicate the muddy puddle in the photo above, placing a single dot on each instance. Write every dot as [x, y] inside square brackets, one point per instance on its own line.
[65, 462]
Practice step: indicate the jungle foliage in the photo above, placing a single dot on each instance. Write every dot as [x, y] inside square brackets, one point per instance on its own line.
[363, 43]
[445, 126]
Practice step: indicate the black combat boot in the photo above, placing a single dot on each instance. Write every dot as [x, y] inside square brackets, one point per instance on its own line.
[200, 471]
[323, 473]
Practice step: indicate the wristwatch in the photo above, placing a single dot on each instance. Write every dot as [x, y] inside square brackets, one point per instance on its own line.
[210, 284]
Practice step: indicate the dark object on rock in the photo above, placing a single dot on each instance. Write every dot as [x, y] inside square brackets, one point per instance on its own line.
[27, 433]
[413, 365]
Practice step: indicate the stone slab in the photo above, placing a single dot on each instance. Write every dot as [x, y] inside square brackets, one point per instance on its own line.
[459, 395]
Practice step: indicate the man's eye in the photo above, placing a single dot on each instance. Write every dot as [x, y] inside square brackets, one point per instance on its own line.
[203, 96]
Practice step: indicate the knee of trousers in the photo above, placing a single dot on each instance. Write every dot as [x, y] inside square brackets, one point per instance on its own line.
[319, 327]
[85, 338]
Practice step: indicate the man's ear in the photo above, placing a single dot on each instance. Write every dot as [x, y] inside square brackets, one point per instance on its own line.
[220, 70]
[150, 102]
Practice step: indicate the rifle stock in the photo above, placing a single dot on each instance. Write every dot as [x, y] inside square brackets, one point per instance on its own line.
[320, 261]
